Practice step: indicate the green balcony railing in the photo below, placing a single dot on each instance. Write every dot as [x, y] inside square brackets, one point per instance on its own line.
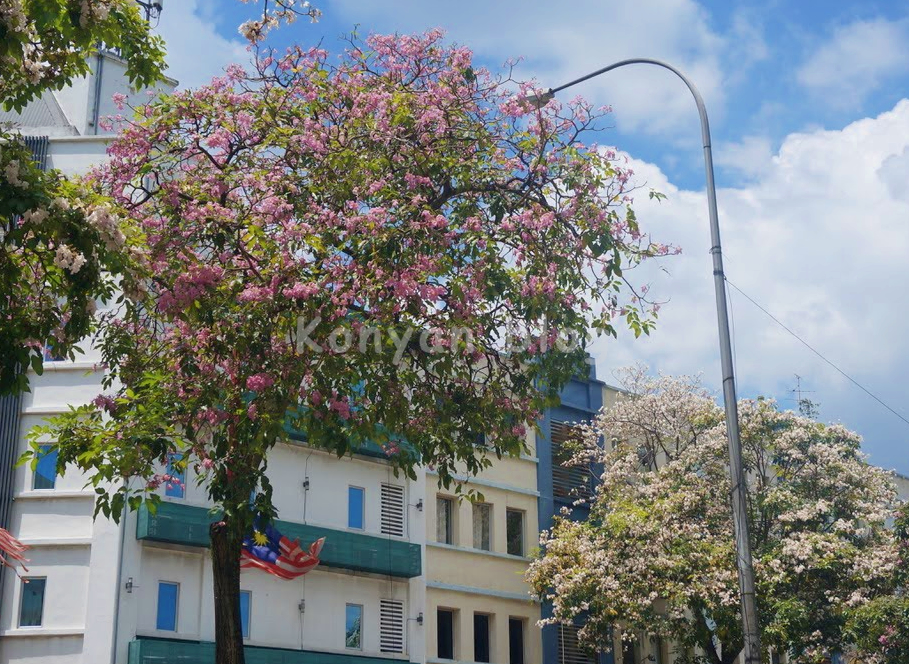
[368, 448]
[184, 524]
[173, 651]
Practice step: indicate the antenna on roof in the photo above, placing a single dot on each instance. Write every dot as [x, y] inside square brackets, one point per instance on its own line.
[152, 9]
[806, 406]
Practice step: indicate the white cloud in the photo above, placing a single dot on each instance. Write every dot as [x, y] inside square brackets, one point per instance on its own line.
[563, 44]
[820, 239]
[195, 50]
[856, 60]
[751, 156]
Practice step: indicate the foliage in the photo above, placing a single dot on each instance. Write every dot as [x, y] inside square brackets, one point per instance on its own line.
[60, 246]
[657, 554]
[343, 249]
[880, 628]
[45, 44]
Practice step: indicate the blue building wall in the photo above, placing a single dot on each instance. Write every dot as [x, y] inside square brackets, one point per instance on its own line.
[581, 400]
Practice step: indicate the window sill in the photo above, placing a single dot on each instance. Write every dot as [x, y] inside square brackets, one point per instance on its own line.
[40, 542]
[52, 494]
[28, 632]
[66, 365]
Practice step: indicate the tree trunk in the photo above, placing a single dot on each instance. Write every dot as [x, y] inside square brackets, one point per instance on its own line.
[225, 563]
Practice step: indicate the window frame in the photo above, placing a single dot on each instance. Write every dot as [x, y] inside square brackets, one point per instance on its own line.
[170, 486]
[523, 534]
[23, 586]
[478, 618]
[350, 489]
[246, 627]
[477, 510]
[45, 451]
[449, 521]
[522, 622]
[453, 624]
[347, 607]
[176, 619]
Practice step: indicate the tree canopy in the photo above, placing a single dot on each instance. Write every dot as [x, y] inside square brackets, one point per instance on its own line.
[657, 555]
[349, 249]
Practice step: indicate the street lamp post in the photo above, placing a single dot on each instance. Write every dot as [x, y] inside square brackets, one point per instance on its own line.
[750, 627]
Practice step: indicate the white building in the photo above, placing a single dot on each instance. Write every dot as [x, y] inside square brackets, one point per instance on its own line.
[141, 591]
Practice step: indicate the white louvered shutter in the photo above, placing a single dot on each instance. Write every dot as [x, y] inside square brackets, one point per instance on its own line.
[391, 625]
[570, 651]
[393, 510]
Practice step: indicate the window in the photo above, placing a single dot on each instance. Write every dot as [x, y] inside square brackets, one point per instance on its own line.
[445, 637]
[514, 527]
[570, 651]
[629, 652]
[353, 627]
[31, 605]
[567, 481]
[391, 625]
[176, 486]
[392, 510]
[444, 520]
[46, 470]
[482, 515]
[168, 597]
[660, 656]
[50, 354]
[356, 501]
[515, 641]
[245, 599]
[481, 637]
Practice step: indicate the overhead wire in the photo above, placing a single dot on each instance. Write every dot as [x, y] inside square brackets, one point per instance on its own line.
[817, 352]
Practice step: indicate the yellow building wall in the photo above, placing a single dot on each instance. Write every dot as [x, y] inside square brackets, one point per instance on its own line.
[465, 605]
[466, 580]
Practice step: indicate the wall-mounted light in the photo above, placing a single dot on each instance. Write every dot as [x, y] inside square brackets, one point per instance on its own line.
[419, 507]
[129, 585]
[420, 618]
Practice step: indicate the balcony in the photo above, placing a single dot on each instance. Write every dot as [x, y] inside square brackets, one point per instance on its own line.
[187, 525]
[174, 651]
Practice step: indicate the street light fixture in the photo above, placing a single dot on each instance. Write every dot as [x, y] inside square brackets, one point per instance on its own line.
[750, 628]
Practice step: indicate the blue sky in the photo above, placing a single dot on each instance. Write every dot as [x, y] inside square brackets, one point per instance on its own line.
[811, 140]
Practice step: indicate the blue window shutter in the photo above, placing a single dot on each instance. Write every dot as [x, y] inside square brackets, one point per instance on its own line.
[46, 471]
[245, 597]
[355, 507]
[31, 608]
[175, 489]
[168, 595]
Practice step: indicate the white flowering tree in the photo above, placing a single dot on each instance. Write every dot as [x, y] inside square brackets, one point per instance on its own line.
[657, 556]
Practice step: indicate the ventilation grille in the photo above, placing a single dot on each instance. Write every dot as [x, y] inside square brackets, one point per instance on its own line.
[391, 625]
[393, 510]
[567, 481]
[570, 651]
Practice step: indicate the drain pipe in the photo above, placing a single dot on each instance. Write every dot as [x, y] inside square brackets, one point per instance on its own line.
[99, 71]
[115, 641]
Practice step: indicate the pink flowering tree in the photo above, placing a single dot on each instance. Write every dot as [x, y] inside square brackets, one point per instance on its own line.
[383, 248]
[880, 628]
[60, 248]
[657, 556]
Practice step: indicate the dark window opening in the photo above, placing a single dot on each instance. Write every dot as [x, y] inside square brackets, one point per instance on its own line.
[445, 634]
[515, 641]
[480, 637]
[514, 527]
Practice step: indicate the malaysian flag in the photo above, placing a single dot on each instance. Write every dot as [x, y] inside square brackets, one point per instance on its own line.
[276, 554]
[10, 546]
